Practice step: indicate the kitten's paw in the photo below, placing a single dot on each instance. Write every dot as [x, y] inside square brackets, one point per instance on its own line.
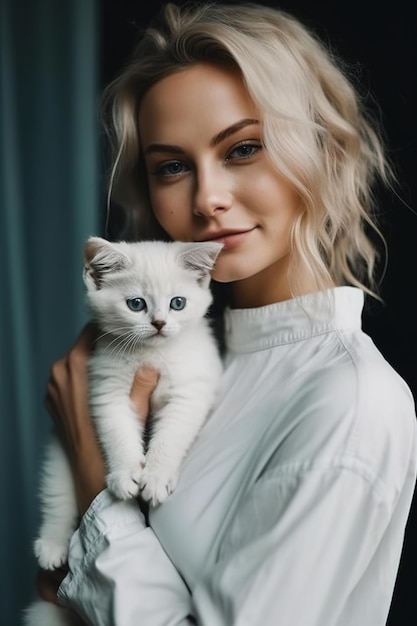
[125, 484]
[156, 487]
[50, 554]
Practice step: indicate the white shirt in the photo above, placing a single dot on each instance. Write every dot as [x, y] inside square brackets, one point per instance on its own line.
[292, 503]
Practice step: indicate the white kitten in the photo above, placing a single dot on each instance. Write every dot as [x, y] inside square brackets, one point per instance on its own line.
[149, 300]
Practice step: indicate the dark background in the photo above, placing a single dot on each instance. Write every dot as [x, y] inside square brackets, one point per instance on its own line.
[377, 40]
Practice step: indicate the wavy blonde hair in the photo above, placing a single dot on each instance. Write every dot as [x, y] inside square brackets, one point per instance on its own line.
[316, 128]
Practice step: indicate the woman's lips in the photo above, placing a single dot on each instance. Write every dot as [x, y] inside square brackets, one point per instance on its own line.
[230, 240]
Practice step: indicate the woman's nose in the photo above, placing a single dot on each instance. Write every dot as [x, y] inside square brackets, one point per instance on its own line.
[212, 192]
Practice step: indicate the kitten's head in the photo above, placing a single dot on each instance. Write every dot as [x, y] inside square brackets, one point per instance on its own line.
[149, 290]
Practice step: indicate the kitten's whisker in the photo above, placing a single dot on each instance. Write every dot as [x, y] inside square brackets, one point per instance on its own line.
[136, 340]
[118, 347]
[111, 332]
[115, 342]
[115, 347]
[127, 344]
[130, 344]
[124, 344]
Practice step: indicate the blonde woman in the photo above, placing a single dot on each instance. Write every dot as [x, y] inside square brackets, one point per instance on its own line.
[235, 124]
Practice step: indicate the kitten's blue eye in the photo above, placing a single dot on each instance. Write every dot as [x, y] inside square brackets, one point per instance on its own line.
[136, 304]
[177, 303]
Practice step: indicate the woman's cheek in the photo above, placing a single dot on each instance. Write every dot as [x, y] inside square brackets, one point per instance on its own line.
[162, 205]
[172, 221]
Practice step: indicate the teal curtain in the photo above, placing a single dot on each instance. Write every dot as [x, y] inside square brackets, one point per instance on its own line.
[49, 204]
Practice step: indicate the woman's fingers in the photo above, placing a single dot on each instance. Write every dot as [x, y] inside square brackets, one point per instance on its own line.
[48, 582]
[144, 383]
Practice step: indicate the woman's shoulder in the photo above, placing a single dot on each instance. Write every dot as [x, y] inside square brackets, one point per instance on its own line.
[374, 380]
[360, 386]
[354, 410]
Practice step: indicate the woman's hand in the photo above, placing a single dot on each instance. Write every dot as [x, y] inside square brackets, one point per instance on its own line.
[48, 582]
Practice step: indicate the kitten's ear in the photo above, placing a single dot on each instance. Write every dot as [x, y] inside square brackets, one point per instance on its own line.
[101, 257]
[200, 257]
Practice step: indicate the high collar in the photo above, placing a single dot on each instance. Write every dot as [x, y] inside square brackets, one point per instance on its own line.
[249, 330]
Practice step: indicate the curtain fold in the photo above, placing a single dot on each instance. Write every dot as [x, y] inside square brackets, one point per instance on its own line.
[49, 204]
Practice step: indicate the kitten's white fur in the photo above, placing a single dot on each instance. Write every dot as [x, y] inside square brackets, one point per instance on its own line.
[177, 341]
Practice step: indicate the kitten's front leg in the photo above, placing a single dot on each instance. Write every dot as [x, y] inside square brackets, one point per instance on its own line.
[121, 436]
[175, 428]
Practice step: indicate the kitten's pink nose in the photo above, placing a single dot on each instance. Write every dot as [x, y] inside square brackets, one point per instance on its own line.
[158, 324]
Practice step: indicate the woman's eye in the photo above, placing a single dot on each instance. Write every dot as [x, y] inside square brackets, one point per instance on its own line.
[172, 168]
[136, 304]
[178, 303]
[244, 151]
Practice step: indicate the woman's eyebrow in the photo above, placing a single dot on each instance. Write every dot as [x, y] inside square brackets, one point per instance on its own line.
[223, 134]
[162, 147]
[230, 130]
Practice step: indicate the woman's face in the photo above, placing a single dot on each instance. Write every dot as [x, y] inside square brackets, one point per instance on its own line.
[210, 178]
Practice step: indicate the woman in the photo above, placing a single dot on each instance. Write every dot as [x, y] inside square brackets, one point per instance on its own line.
[234, 123]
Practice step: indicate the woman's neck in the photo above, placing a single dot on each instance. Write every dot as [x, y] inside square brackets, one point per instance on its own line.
[270, 286]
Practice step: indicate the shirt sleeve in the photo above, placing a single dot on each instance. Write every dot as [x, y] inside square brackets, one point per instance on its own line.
[296, 549]
[119, 575]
